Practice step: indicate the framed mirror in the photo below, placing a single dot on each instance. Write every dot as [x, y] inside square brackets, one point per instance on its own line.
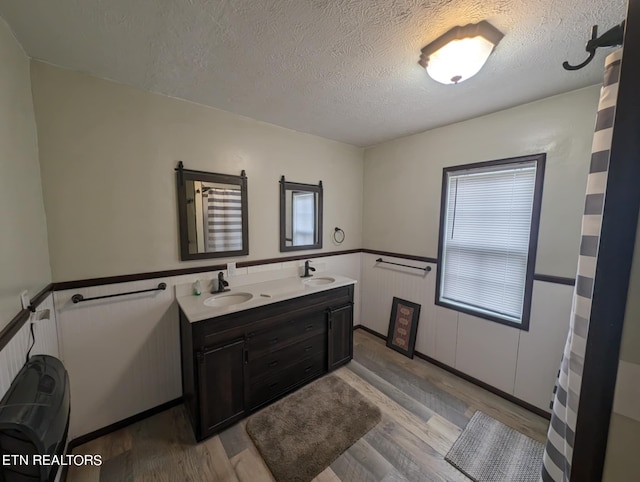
[300, 216]
[212, 212]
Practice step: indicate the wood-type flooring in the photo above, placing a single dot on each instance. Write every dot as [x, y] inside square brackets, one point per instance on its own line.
[424, 409]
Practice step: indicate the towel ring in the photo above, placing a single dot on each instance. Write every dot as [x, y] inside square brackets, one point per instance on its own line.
[338, 235]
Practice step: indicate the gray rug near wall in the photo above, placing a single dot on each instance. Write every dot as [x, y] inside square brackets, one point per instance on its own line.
[302, 434]
[489, 451]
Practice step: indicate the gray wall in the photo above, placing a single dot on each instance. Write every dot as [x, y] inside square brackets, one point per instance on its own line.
[108, 154]
[24, 255]
[622, 463]
[402, 189]
[403, 178]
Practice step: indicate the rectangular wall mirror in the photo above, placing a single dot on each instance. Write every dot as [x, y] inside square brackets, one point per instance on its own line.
[212, 210]
[300, 216]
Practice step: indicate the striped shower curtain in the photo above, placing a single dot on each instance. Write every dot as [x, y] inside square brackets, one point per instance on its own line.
[560, 440]
[223, 219]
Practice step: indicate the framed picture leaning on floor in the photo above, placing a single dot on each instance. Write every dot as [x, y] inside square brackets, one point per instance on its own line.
[403, 326]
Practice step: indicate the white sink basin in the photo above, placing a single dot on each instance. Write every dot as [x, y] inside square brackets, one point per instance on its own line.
[327, 280]
[228, 299]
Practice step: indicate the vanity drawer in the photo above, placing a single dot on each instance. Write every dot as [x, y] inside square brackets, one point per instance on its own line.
[269, 388]
[288, 333]
[273, 362]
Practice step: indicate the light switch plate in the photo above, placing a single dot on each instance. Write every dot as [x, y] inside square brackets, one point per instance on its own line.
[231, 269]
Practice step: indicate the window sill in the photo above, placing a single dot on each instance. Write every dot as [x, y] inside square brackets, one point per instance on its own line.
[524, 325]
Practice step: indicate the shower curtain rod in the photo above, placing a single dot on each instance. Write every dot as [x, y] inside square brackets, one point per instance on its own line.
[612, 37]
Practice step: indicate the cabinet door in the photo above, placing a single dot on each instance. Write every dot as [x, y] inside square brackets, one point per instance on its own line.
[221, 386]
[340, 336]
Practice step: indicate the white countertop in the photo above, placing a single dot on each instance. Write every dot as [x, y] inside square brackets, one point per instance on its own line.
[262, 294]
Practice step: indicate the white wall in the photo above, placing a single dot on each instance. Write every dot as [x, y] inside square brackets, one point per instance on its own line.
[623, 445]
[108, 154]
[402, 189]
[523, 364]
[24, 256]
[403, 178]
[123, 354]
[13, 355]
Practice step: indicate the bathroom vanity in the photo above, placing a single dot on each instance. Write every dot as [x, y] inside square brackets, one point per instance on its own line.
[245, 348]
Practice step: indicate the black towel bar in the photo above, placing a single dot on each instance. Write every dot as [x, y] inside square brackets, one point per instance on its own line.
[77, 298]
[425, 269]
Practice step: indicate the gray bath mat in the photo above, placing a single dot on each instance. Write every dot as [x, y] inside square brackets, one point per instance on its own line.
[302, 434]
[489, 451]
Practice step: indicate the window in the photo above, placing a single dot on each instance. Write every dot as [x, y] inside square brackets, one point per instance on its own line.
[304, 217]
[489, 220]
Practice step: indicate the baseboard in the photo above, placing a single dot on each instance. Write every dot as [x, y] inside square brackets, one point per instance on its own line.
[370, 331]
[469, 378]
[122, 423]
[486, 386]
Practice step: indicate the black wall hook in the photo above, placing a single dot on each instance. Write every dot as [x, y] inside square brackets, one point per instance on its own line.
[612, 37]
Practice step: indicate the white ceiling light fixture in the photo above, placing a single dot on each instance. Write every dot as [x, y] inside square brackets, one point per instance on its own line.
[460, 53]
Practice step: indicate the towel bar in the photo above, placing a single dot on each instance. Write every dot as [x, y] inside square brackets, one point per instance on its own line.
[425, 269]
[78, 298]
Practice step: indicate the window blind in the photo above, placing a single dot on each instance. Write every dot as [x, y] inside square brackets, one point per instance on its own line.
[303, 218]
[486, 239]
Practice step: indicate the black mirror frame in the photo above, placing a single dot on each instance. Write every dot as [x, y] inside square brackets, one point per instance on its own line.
[183, 175]
[284, 185]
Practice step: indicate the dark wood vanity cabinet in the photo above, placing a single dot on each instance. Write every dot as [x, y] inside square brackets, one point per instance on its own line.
[235, 364]
[340, 342]
[220, 373]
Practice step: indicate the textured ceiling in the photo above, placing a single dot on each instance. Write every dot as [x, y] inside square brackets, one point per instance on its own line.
[341, 69]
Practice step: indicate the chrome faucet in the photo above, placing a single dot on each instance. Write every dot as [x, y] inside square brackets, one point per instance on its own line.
[307, 268]
[222, 284]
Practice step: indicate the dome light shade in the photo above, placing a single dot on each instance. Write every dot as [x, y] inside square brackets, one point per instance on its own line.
[460, 53]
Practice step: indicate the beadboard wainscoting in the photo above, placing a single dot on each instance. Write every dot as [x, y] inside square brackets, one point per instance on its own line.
[627, 396]
[13, 355]
[123, 353]
[623, 444]
[624, 432]
[520, 363]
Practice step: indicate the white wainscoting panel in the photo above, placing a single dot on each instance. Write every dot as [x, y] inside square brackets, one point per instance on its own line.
[348, 265]
[523, 364]
[12, 356]
[446, 339]
[381, 282]
[487, 351]
[123, 353]
[627, 396]
[541, 347]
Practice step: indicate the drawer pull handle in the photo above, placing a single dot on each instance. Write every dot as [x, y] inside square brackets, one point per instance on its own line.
[274, 363]
[308, 348]
[273, 385]
[308, 369]
[309, 327]
[274, 340]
